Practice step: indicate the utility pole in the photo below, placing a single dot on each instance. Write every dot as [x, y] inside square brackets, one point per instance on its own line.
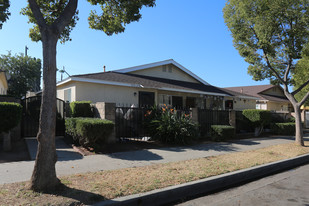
[26, 49]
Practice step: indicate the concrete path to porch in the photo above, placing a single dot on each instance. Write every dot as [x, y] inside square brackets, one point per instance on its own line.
[71, 162]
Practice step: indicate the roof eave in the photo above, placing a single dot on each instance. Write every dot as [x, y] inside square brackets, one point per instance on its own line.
[88, 80]
[155, 64]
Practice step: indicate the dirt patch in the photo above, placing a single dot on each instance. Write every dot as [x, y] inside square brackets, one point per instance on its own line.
[19, 152]
[89, 188]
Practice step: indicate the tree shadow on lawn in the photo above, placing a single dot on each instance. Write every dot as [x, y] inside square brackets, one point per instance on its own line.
[78, 196]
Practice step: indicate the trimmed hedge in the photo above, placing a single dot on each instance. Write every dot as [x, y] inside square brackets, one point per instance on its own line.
[10, 114]
[257, 117]
[222, 132]
[89, 131]
[284, 128]
[81, 109]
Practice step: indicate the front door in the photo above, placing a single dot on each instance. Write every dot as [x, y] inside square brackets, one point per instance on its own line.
[146, 99]
[177, 102]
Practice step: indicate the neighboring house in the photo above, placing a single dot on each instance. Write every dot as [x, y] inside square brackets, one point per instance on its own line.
[270, 97]
[3, 83]
[164, 83]
[239, 101]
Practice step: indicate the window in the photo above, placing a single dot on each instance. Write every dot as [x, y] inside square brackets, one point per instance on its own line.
[229, 104]
[67, 95]
[164, 68]
[170, 68]
[165, 99]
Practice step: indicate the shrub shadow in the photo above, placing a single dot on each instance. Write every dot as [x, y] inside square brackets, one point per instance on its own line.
[64, 155]
[140, 155]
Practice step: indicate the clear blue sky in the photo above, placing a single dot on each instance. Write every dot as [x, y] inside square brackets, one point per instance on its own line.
[192, 33]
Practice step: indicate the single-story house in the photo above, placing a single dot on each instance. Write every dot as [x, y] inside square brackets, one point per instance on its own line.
[3, 83]
[162, 83]
[269, 97]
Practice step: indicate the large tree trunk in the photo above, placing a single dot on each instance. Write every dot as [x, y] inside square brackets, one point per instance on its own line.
[299, 136]
[44, 174]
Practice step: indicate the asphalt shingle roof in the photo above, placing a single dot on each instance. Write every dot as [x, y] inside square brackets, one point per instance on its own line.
[256, 91]
[152, 82]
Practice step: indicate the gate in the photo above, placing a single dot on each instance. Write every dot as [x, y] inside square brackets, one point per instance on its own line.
[207, 117]
[31, 117]
[129, 123]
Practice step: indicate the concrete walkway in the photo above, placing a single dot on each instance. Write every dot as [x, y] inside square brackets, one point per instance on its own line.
[70, 162]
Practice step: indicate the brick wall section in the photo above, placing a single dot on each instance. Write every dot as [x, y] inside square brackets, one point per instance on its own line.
[105, 110]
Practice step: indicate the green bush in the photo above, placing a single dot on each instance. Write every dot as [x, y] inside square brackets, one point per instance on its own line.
[243, 123]
[89, 131]
[10, 114]
[70, 128]
[170, 127]
[81, 109]
[257, 117]
[284, 128]
[222, 132]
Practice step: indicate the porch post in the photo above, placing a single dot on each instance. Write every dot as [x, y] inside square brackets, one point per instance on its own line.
[194, 114]
[232, 118]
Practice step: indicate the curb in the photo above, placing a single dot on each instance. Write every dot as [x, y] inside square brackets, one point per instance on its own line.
[208, 185]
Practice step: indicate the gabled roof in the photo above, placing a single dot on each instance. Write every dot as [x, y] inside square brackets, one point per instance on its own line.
[141, 81]
[240, 95]
[161, 63]
[257, 91]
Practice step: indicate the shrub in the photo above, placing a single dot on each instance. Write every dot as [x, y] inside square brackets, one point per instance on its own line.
[284, 128]
[222, 132]
[243, 123]
[258, 118]
[89, 131]
[81, 109]
[70, 128]
[10, 114]
[170, 127]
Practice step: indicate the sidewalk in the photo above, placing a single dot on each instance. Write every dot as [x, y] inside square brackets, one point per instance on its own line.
[70, 162]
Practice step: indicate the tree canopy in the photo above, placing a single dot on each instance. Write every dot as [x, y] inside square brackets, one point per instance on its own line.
[4, 11]
[115, 15]
[301, 75]
[24, 72]
[271, 36]
[268, 34]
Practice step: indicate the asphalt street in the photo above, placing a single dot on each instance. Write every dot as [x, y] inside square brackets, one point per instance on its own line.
[287, 188]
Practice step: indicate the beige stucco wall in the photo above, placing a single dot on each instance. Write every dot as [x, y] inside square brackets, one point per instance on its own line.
[120, 95]
[240, 104]
[62, 88]
[3, 84]
[277, 106]
[175, 74]
[244, 104]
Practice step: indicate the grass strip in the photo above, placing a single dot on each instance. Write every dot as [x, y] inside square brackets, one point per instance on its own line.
[89, 188]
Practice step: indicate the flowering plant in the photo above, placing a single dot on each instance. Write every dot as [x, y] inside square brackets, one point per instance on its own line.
[171, 126]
